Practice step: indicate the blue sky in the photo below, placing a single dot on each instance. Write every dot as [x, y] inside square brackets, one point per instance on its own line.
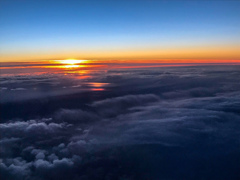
[51, 26]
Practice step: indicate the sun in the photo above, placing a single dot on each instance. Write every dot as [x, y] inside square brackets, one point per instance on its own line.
[72, 61]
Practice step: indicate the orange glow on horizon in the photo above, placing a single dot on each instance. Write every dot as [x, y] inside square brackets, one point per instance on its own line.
[171, 54]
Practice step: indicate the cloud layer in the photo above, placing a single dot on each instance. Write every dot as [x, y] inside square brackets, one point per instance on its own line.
[184, 124]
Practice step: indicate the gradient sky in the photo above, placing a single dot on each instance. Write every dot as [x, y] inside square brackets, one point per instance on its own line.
[47, 29]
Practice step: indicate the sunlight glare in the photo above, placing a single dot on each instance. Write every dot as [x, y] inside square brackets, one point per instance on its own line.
[72, 61]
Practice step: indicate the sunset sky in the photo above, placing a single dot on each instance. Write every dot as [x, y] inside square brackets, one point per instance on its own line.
[147, 30]
[119, 89]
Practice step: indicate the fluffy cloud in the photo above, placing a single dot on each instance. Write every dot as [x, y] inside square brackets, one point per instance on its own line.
[17, 168]
[29, 128]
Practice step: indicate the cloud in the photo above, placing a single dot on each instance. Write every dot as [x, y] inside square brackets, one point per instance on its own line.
[29, 129]
[91, 139]
[43, 128]
[18, 169]
[75, 116]
[52, 157]
[18, 89]
[40, 156]
[188, 127]
[3, 88]
[57, 169]
[115, 106]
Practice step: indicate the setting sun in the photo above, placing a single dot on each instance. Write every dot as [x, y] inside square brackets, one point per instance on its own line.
[72, 61]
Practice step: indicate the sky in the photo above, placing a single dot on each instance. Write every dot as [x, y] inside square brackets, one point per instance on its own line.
[45, 30]
[119, 90]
